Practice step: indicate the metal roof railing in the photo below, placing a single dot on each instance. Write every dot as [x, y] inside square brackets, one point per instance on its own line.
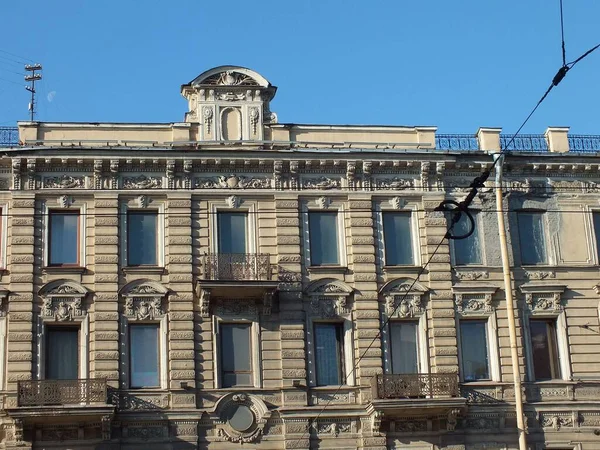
[9, 136]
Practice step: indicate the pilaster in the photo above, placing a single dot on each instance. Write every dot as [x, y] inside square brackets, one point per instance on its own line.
[104, 257]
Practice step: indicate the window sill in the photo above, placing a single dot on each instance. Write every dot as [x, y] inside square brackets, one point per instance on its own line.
[63, 269]
[402, 269]
[144, 269]
[331, 269]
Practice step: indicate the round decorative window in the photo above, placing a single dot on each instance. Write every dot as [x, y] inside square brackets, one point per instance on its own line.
[241, 418]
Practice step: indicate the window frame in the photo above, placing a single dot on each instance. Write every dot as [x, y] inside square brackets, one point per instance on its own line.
[309, 206]
[556, 313]
[480, 235]
[382, 208]
[465, 295]
[3, 234]
[81, 231]
[339, 330]
[249, 208]
[163, 362]
[160, 363]
[594, 238]
[64, 212]
[248, 325]
[57, 326]
[255, 353]
[550, 259]
[125, 208]
[421, 335]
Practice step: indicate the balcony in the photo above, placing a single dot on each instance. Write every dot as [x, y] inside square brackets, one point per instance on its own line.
[416, 394]
[237, 267]
[236, 276]
[59, 398]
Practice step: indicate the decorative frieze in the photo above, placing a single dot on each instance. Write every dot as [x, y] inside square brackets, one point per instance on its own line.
[142, 182]
[233, 181]
[64, 182]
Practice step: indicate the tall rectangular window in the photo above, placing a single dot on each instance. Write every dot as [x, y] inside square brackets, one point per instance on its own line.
[236, 355]
[474, 350]
[144, 355]
[62, 353]
[404, 348]
[63, 242]
[596, 219]
[329, 353]
[544, 349]
[142, 238]
[232, 232]
[323, 235]
[532, 238]
[468, 250]
[397, 238]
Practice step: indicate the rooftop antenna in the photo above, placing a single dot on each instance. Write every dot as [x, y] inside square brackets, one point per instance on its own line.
[31, 88]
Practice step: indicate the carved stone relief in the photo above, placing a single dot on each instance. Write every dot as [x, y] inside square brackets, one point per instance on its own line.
[64, 182]
[233, 181]
[241, 418]
[143, 308]
[142, 182]
[321, 183]
[62, 309]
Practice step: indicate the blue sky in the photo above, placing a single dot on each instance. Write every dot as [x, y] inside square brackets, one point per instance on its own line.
[457, 65]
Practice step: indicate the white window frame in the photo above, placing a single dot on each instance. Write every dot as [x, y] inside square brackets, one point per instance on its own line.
[4, 236]
[408, 208]
[255, 354]
[479, 228]
[159, 208]
[548, 242]
[347, 344]
[163, 329]
[410, 310]
[320, 206]
[46, 210]
[475, 303]
[552, 310]
[223, 207]
[593, 239]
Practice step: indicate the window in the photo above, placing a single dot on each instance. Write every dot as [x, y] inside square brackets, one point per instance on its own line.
[142, 242]
[404, 348]
[329, 354]
[144, 355]
[236, 360]
[468, 250]
[62, 348]
[232, 232]
[596, 219]
[544, 349]
[532, 238]
[474, 350]
[323, 235]
[397, 238]
[63, 245]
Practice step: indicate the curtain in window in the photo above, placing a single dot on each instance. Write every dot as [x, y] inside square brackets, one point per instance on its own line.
[398, 238]
[467, 251]
[544, 350]
[143, 351]
[236, 350]
[62, 354]
[142, 238]
[474, 353]
[328, 353]
[323, 238]
[232, 232]
[531, 238]
[64, 238]
[404, 347]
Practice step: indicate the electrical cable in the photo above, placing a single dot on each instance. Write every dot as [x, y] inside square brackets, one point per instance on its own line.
[17, 56]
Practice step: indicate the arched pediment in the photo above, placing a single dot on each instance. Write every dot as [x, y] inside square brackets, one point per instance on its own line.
[400, 285]
[328, 286]
[64, 288]
[142, 288]
[230, 76]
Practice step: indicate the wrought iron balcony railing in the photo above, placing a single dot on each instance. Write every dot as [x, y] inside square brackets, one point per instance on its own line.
[237, 267]
[9, 136]
[456, 142]
[61, 392]
[417, 385]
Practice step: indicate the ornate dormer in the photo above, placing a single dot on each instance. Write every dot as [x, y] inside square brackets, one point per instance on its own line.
[229, 103]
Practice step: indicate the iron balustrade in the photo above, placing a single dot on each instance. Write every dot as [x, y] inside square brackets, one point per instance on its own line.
[61, 392]
[584, 143]
[417, 385]
[9, 136]
[524, 143]
[237, 266]
[456, 142]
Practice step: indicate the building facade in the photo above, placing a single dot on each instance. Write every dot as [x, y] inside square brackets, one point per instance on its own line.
[234, 282]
